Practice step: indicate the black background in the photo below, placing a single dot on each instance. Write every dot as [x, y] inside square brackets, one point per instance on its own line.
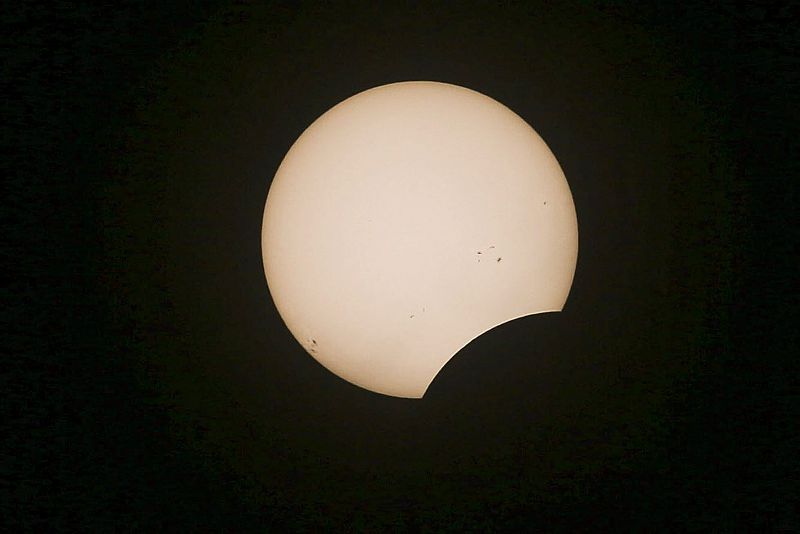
[151, 385]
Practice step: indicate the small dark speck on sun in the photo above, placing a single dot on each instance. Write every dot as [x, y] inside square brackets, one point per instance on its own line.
[499, 259]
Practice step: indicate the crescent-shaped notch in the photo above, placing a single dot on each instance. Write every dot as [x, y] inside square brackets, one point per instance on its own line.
[408, 220]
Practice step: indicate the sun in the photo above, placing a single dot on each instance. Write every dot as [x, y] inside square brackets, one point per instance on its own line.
[408, 220]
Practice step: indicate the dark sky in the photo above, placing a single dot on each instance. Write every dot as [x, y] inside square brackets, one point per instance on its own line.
[151, 384]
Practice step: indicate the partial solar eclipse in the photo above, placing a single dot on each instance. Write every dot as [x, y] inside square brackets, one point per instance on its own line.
[408, 220]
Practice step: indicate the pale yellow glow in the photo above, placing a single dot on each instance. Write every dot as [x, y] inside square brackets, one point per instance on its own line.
[408, 220]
